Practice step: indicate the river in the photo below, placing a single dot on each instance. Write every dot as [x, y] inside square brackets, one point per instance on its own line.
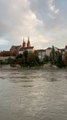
[35, 94]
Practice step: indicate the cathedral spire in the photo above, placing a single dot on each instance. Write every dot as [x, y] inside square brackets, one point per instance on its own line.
[28, 43]
[24, 43]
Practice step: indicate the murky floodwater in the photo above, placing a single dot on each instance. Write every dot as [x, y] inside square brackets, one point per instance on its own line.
[33, 94]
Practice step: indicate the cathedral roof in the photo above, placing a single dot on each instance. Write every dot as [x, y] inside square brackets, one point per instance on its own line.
[25, 48]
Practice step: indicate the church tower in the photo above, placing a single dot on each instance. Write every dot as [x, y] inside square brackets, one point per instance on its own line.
[28, 43]
[24, 43]
[26, 47]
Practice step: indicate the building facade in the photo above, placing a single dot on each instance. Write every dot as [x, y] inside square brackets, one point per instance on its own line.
[26, 47]
[41, 54]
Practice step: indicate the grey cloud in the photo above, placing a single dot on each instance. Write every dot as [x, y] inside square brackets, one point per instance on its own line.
[20, 18]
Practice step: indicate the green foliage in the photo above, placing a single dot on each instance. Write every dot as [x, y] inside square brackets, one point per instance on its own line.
[59, 61]
[46, 59]
[1, 62]
[65, 58]
[11, 62]
[27, 59]
[52, 55]
[33, 60]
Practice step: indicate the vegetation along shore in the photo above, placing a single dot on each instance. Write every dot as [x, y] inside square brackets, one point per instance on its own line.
[31, 59]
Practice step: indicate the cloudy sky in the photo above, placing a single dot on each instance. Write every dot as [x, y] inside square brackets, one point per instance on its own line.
[44, 21]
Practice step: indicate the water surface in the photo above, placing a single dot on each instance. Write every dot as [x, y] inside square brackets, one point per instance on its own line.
[33, 94]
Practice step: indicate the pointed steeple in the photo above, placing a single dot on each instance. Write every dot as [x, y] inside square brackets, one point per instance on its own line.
[24, 44]
[28, 43]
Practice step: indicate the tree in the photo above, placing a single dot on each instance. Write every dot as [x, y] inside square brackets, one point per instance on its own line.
[46, 59]
[65, 58]
[25, 57]
[59, 60]
[52, 55]
[22, 59]
[33, 59]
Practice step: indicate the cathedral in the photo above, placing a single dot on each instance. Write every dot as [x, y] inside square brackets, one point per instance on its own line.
[26, 47]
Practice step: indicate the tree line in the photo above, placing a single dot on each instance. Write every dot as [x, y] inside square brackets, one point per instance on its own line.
[29, 59]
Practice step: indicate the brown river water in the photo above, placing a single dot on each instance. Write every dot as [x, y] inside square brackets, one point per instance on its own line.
[38, 94]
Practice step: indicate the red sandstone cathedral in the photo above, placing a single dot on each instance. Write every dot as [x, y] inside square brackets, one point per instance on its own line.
[26, 47]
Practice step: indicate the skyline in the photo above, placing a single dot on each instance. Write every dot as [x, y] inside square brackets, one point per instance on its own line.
[43, 20]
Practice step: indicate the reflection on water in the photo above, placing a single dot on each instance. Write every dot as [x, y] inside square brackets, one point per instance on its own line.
[33, 94]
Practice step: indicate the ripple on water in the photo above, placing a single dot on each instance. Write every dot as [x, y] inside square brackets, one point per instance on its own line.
[38, 95]
[20, 81]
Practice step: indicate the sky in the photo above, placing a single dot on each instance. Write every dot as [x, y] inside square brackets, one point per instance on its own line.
[43, 21]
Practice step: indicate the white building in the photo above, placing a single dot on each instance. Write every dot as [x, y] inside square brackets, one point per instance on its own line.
[48, 51]
[41, 54]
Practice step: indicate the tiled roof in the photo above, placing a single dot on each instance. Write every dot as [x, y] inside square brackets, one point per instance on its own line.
[41, 50]
[49, 48]
[25, 48]
[14, 47]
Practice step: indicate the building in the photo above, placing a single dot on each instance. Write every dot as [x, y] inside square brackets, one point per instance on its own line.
[26, 47]
[66, 48]
[64, 51]
[48, 51]
[41, 53]
[14, 50]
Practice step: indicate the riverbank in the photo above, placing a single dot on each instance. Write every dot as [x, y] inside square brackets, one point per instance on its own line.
[17, 67]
